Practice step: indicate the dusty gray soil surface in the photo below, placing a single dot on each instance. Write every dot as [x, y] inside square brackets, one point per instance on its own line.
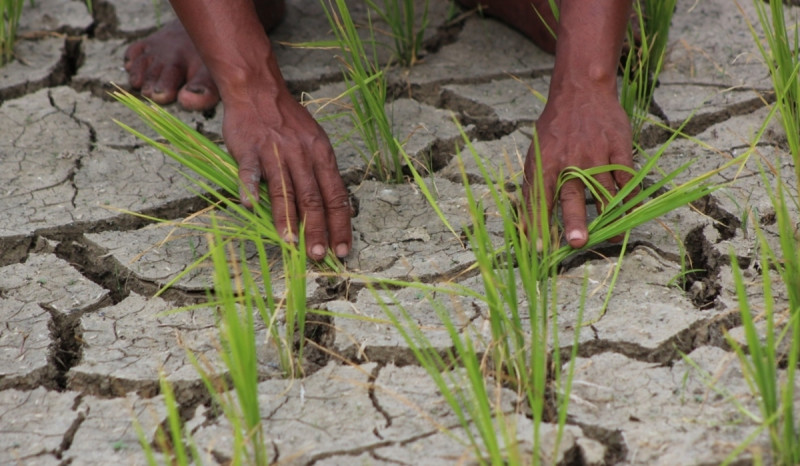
[83, 340]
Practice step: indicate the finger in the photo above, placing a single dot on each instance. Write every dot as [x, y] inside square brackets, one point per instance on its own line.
[606, 180]
[573, 209]
[337, 203]
[249, 175]
[622, 154]
[310, 209]
[281, 194]
[622, 178]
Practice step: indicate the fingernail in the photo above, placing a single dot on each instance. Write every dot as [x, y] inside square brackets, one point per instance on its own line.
[158, 90]
[575, 235]
[318, 250]
[196, 89]
[342, 250]
[289, 237]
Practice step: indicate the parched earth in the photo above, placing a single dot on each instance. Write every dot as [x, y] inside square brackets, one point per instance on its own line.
[83, 340]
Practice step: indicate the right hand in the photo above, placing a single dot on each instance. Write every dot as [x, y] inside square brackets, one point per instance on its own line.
[274, 138]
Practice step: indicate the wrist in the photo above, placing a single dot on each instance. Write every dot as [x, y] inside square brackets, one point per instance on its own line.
[588, 82]
[239, 76]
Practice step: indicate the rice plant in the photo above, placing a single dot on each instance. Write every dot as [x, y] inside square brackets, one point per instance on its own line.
[519, 286]
[366, 84]
[515, 271]
[407, 33]
[234, 298]
[776, 394]
[10, 13]
[761, 359]
[645, 58]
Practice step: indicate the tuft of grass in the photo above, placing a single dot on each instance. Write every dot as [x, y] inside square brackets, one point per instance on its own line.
[236, 298]
[366, 84]
[236, 302]
[645, 59]
[519, 287]
[761, 360]
[407, 35]
[10, 13]
[523, 271]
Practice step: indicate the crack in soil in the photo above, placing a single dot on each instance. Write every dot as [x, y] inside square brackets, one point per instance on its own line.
[724, 222]
[57, 76]
[653, 136]
[701, 282]
[373, 376]
[66, 348]
[707, 332]
[614, 441]
[345, 452]
[69, 435]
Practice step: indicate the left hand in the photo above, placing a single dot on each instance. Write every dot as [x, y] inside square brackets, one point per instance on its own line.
[581, 128]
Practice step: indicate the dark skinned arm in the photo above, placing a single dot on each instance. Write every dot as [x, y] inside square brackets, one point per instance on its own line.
[583, 124]
[266, 130]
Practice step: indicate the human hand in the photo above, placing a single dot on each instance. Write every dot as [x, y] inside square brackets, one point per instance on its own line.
[274, 138]
[583, 129]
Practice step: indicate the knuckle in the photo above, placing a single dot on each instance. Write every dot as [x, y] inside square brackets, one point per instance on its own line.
[310, 200]
[339, 202]
[570, 193]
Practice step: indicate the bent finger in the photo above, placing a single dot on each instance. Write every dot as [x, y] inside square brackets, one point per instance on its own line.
[606, 180]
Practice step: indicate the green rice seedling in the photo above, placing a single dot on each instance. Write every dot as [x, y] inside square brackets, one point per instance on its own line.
[10, 13]
[407, 35]
[512, 273]
[761, 360]
[515, 271]
[644, 62]
[170, 443]
[255, 227]
[236, 295]
[777, 399]
[780, 55]
[175, 425]
[366, 84]
[237, 300]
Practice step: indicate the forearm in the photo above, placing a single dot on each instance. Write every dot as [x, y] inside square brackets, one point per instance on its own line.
[590, 35]
[232, 42]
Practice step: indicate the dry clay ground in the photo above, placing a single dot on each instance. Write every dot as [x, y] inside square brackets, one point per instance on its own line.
[82, 339]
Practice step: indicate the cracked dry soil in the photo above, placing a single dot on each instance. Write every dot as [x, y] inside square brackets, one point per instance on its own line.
[82, 340]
